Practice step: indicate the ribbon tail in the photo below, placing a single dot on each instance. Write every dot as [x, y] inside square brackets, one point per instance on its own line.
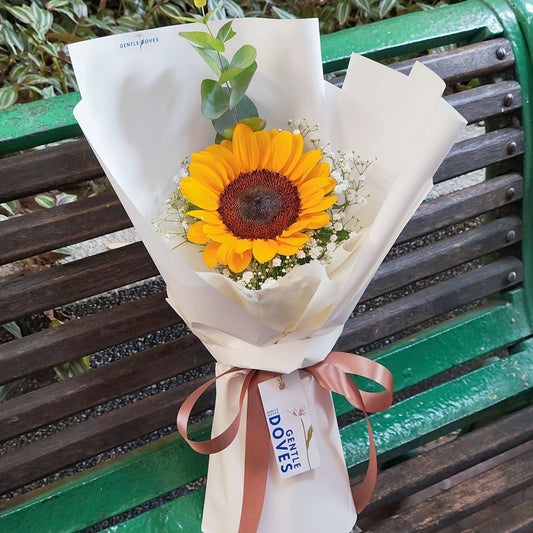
[256, 460]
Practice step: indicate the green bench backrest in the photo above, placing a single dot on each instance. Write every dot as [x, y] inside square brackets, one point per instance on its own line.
[500, 268]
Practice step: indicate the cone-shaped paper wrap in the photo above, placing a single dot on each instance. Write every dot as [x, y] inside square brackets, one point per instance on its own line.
[140, 111]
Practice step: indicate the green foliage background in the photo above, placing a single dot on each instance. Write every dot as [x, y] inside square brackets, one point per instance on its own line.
[34, 33]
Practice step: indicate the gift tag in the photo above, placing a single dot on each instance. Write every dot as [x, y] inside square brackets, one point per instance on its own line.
[289, 424]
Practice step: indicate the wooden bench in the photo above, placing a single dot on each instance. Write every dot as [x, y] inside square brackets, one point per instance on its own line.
[450, 313]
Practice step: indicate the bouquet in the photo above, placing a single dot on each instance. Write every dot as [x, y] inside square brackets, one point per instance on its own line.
[267, 230]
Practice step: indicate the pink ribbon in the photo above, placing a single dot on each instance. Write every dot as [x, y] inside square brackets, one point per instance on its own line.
[333, 374]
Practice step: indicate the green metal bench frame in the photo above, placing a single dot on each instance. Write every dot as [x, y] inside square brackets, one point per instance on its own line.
[137, 477]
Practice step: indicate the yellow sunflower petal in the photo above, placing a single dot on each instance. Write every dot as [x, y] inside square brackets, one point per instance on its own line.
[306, 163]
[296, 239]
[210, 253]
[218, 233]
[216, 179]
[243, 245]
[296, 153]
[199, 194]
[281, 150]
[311, 187]
[321, 205]
[207, 216]
[245, 148]
[287, 249]
[227, 158]
[196, 233]
[264, 144]
[238, 262]
[316, 220]
[265, 249]
[321, 170]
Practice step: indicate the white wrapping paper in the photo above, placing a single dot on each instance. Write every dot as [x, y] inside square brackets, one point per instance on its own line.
[140, 111]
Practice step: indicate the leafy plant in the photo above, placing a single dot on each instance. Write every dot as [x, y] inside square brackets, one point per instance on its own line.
[34, 34]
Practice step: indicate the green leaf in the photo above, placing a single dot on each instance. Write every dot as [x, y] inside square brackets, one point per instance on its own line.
[233, 9]
[343, 12]
[11, 207]
[12, 39]
[211, 58]
[245, 109]
[203, 40]
[364, 5]
[95, 21]
[215, 99]
[22, 13]
[13, 328]
[8, 95]
[3, 217]
[239, 85]
[80, 8]
[187, 19]
[66, 250]
[243, 57]
[171, 11]
[44, 200]
[255, 123]
[226, 32]
[385, 6]
[54, 4]
[43, 20]
[282, 14]
[229, 74]
[64, 198]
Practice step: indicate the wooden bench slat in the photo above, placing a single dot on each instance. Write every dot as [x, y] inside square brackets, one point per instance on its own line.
[85, 336]
[487, 101]
[480, 152]
[515, 519]
[467, 62]
[480, 394]
[444, 254]
[42, 170]
[463, 499]
[411, 476]
[73, 281]
[462, 205]
[99, 385]
[96, 435]
[429, 303]
[45, 230]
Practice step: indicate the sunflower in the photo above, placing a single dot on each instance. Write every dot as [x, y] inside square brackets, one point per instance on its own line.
[256, 196]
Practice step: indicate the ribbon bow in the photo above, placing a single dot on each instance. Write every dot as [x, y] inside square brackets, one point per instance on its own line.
[332, 374]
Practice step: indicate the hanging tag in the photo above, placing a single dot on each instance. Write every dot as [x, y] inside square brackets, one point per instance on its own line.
[289, 424]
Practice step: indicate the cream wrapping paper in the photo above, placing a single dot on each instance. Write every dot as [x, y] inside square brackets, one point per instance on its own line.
[140, 111]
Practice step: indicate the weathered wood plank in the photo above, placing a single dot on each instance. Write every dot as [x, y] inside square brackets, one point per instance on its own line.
[42, 170]
[515, 519]
[480, 152]
[72, 223]
[97, 434]
[73, 281]
[465, 63]
[84, 336]
[487, 101]
[429, 303]
[444, 255]
[463, 499]
[463, 204]
[407, 478]
[99, 385]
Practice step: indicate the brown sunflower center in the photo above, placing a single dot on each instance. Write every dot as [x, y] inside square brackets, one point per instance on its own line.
[260, 204]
